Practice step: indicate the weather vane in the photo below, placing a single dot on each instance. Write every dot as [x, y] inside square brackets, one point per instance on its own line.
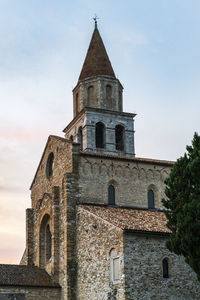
[95, 20]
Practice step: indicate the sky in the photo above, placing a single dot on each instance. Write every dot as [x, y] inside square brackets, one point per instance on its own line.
[154, 48]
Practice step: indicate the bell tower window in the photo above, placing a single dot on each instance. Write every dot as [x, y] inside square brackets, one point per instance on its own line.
[108, 95]
[99, 134]
[119, 137]
[45, 241]
[90, 91]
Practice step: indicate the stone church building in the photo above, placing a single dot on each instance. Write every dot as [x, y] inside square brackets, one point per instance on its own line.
[96, 230]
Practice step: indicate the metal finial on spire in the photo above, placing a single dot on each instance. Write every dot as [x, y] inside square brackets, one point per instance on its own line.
[95, 20]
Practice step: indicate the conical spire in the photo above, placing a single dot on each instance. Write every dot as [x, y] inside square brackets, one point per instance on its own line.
[96, 61]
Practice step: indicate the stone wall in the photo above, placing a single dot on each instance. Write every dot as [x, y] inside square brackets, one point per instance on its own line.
[28, 293]
[131, 179]
[88, 120]
[143, 257]
[63, 162]
[98, 97]
[95, 240]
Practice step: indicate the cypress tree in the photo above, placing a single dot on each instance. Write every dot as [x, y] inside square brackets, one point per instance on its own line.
[182, 206]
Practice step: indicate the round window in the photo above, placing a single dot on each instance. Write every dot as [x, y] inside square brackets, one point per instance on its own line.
[50, 164]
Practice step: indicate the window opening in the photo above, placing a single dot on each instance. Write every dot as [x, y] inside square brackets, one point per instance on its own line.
[90, 95]
[108, 95]
[114, 266]
[77, 104]
[50, 165]
[151, 204]
[80, 137]
[45, 237]
[119, 137]
[165, 267]
[48, 242]
[111, 195]
[100, 131]
[71, 138]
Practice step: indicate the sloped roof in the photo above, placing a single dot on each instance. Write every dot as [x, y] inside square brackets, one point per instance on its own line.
[137, 220]
[19, 275]
[97, 61]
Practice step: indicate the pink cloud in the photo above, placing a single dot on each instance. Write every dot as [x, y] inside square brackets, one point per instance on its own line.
[21, 134]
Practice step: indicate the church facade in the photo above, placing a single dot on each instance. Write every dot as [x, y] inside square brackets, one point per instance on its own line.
[96, 229]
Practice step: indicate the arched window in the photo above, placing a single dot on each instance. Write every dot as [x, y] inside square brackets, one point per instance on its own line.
[114, 266]
[48, 242]
[77, 104]
[111, 195]
[119, 137]
[165, 268]
[90, 95]
[109, 95]
[99, 134]
[71, 138]
[50, 165]
[45, 241]
[151, 204]
[80, 137]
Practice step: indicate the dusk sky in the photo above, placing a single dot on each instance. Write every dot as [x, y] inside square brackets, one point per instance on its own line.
[154, 48]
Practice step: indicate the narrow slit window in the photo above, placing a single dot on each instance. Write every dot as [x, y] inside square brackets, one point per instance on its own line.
[80, 137]
[48, 243]
[77, 104]
[151, 204]
[111, 195]
[165, 267]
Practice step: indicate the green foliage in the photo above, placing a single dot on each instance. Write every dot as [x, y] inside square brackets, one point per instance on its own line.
[183, 206]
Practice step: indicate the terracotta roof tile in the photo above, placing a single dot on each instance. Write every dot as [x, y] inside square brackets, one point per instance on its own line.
[131, 219]
[97, 61]
[19, 275]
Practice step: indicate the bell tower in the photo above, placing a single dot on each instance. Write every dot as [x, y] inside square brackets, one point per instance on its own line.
[99, 123]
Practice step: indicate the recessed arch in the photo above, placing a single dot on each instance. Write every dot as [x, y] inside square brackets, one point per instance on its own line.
[114, 265]
[90, 92]
[50, 165]
[109, 95]
[45, 241]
